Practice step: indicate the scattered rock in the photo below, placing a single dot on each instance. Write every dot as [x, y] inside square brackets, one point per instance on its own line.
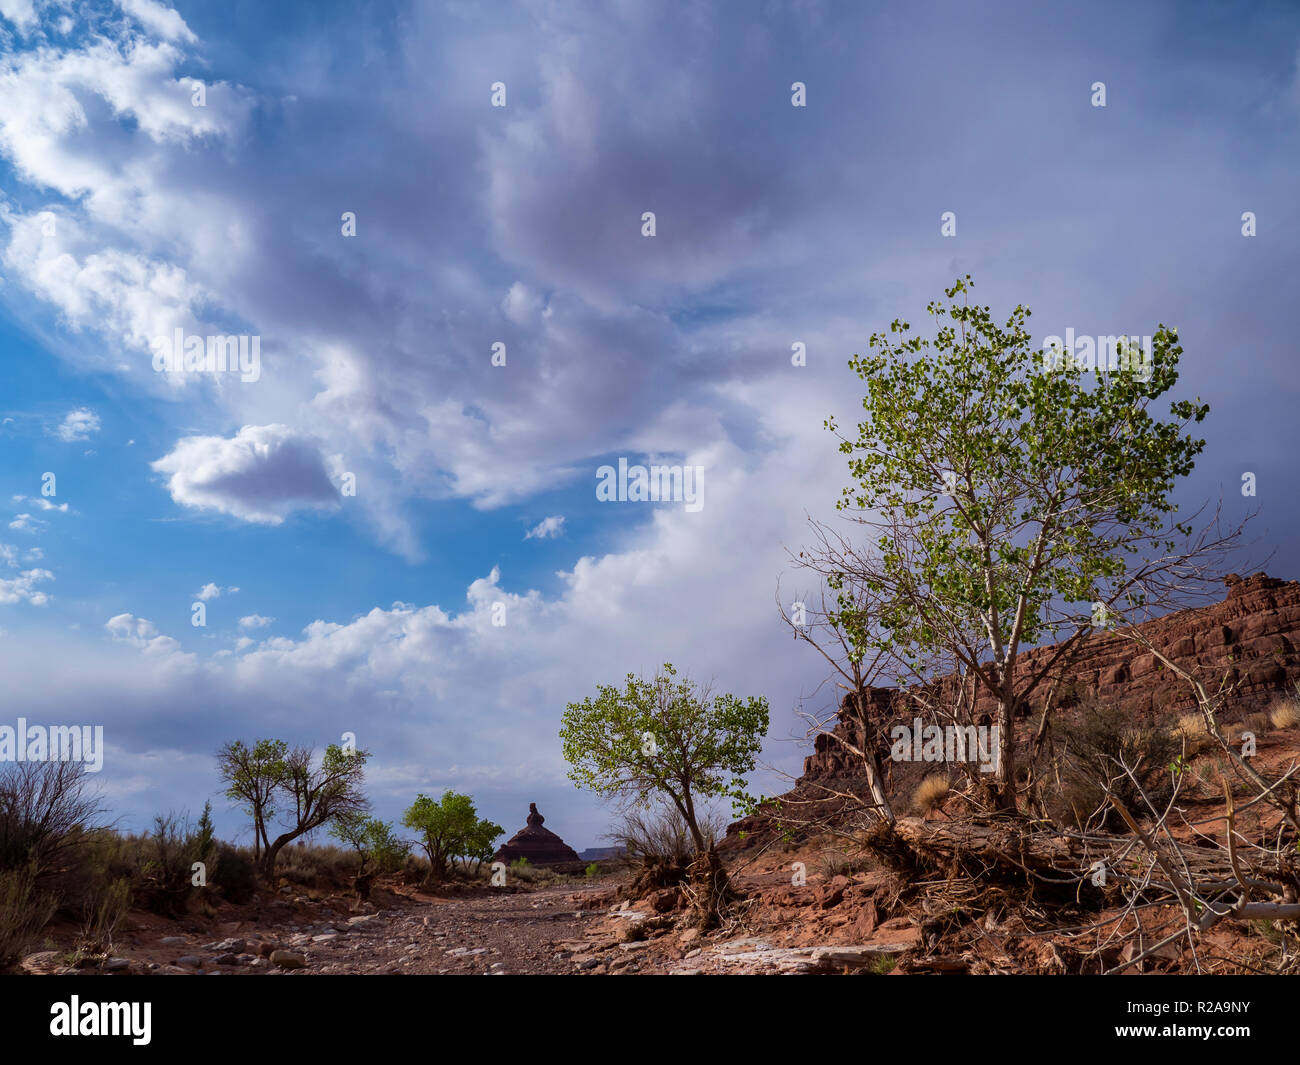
[288, 959]
[44, 963]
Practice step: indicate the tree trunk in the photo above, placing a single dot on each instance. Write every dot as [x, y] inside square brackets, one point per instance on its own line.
[1004, 794]
[273, 851]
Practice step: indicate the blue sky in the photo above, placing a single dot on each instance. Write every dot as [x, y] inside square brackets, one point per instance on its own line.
[127, 212]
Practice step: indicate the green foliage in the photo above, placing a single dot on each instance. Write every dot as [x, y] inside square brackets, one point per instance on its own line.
[103, 911]
[252, 776]
[592, 871]
[233, 874]
[372, 839]
[450, 828]
[1096, 748]
[1003, 484]
[166, 863]
[24, 911]
[664, 737]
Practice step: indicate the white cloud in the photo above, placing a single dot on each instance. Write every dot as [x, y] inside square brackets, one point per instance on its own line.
[22, 589]
[21, 13]
[158, 19]
[547, 528]
[42, 503]
[140, 633]
[26, 523]
[79, 424]
[262, 474]
[254, 621]
[208, 591]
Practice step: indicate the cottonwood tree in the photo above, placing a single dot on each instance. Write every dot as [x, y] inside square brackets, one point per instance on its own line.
[374, 842]
[1008, 499]
[450, 828]
[253, 775]
[667, 738]
[314, 794]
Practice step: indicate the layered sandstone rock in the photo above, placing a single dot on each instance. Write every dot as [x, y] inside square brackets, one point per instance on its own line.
[539, 845]
[1251, 639]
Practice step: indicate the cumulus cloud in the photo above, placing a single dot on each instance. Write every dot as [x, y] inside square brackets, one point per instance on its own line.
[21, 13]
[79, 424]
[26, 523]
[255, 621]
[159, 19]
[262, 474]
[141, 634]
[42, 503]
[547, 529]
[22, 588]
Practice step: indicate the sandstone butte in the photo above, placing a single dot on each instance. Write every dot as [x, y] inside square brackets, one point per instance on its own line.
[1251, 638]
[539, 845]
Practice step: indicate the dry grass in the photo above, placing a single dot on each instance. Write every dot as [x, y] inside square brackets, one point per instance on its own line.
[1191, 730]
[24, 911]
[1257, 723]
[930, 794]
[1285, 713]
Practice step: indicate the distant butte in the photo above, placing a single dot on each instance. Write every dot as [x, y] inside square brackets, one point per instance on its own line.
[539, 845]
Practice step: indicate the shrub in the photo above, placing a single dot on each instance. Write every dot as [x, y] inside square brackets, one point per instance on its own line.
[316, 866]
[415, 870]
[46, 814]
[234, 874]
[1191, 730]
[1285, 713]
[930, 794]
[102, 911]
[1097, 747]
[170, 852]
[593, 870]
[24, 910]
[662, 833]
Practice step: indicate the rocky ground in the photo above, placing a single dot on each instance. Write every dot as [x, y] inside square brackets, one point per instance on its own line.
[577, 928]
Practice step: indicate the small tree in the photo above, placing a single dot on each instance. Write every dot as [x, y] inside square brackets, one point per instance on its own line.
[252, 775]
[374, 841]
[450, 828]
[316, 795]
[1011, 497]
[481, 844]
[664, 738]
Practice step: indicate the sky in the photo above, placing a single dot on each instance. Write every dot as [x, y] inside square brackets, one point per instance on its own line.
[393, 535]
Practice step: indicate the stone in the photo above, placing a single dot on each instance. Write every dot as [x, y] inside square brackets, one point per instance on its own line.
[190, 961]
[44, 963]
[288, 959]
[538, 845]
